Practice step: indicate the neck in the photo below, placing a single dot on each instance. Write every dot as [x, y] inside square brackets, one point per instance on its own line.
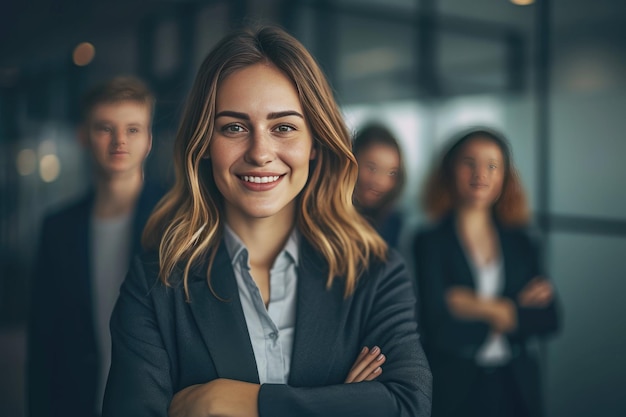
[116, 195]
[264, 238]
[474, 219]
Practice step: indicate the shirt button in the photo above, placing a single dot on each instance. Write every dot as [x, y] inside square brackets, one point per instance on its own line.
[273, 335]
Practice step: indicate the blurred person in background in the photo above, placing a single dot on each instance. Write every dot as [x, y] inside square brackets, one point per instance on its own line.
[483, 294]
[381, 179]
[85, 251]
[265, 293]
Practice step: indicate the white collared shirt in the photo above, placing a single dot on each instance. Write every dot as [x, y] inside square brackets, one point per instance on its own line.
[271, 329]
[495, 351]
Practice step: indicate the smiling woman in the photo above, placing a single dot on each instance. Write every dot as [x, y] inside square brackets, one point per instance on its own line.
[381, 179]
[260, 153]
[263, 292]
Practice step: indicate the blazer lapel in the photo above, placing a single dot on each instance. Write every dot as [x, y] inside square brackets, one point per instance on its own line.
[462, 273]
[83, 236]
[222, 323]
[318, 320]
[512, 268]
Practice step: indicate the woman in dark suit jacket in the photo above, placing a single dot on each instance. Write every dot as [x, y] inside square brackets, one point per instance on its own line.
[483, 295]
[265, 294]
[381, 180]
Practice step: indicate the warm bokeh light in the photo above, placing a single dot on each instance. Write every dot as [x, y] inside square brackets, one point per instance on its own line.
[522, 2]
[83, 54]
[49, 167]
[26, 162]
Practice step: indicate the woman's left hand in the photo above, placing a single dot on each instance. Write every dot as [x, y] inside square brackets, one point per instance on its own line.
[220, 397]
[367, 365]
[538, 293]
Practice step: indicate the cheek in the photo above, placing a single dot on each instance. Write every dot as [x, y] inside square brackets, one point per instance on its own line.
[364, 175]
[390, 184]
[219, 166]
[498, 186]
[460, 177]
[299, 157]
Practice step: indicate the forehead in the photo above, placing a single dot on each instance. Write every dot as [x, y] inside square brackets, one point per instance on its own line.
[258, 86]
[481, 147]
[380, 154]
[126, 111]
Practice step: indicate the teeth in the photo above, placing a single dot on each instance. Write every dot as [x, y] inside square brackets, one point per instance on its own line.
[260, 180]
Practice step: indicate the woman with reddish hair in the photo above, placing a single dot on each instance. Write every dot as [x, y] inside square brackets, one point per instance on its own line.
[483, 293]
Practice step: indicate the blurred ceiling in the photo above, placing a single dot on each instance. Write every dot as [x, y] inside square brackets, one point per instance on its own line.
[31, 31]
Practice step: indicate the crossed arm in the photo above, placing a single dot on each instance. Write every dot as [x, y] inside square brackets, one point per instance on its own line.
[230, 398]
[148, 321]
[499, 313]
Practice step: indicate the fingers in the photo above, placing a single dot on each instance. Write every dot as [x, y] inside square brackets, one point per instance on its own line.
[537, 293]
[458, 291]
[367, 366]
[357, 364]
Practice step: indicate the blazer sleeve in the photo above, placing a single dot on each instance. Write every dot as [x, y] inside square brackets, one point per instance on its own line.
[442, 331]
[403, 389]
[140, 365]
[532, 321]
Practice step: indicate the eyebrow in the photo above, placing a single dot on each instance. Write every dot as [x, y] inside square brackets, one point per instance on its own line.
[244, 116]
[101, 122]
[278, 115]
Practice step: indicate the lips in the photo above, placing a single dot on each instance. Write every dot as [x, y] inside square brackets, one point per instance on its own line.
[375, 192]
[260, 182]
[259, 179]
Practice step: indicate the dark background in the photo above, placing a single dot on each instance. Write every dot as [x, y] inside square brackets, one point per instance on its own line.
[551, 75]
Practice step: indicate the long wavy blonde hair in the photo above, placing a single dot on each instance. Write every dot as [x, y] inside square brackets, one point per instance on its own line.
[187, 225]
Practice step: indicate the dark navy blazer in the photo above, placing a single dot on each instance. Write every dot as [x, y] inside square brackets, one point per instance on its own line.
[451, 344]
[162, 343]
[62, 350]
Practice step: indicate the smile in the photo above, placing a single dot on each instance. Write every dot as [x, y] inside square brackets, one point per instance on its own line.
[260, 180]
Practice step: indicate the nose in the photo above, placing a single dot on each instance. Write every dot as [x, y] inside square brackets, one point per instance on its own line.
[480, 172]
[119, 138]
[260, 150]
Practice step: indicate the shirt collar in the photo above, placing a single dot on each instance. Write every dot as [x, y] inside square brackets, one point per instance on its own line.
[236, 248]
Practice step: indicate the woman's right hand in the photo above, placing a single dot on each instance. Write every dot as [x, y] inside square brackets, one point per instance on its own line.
[367, 366]
[220, 397]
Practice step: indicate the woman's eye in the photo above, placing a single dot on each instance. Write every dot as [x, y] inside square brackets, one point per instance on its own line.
[393, 173]
[285, 128]
[133, 130]
[232, 128]
[371, 168]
